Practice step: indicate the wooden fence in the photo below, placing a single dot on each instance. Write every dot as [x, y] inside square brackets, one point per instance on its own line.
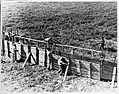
[83, 62]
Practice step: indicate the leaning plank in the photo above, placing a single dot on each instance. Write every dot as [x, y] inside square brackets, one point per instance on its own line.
[65, 73]
[33, 58]
[26, 60]
[113, 78]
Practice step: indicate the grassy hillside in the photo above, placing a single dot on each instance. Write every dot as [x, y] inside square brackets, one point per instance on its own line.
[71, 23]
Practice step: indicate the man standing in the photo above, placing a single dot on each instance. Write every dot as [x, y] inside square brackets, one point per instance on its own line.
[49, 59]
[62, 65]
[102, 43]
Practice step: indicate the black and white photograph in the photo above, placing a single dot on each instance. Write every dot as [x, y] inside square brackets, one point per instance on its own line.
[58, 46]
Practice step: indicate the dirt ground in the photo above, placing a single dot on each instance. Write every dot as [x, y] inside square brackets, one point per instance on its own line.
[35, 78]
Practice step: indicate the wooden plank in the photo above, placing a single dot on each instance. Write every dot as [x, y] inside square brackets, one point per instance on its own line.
[37, 55]
[101, 64]
[109, 63]
[23, 52]
[33, 58]
[8, 47]
[96, 75]
[3, 44]
[15, 52]
[95, 71]
[18, 46]
[109, 73]
[78, 48]
[113, 78]
[80, 67]
[108, 76]
[41, 57]
[84, 73]
[3, 47]
[30, 39]
[85, 65]
[29, 51]
[107, 68]
[26, 60]
[45, 58]
[90, 71]
[33, 51]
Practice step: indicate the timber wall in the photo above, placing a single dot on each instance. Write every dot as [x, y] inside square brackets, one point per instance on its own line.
[83, 62]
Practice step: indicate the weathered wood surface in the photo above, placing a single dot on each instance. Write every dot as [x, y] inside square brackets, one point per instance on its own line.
[80, 61]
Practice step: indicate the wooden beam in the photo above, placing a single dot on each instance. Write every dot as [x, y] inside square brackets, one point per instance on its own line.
[29, 51]
[45, 58]
[26, 60]
[30, 39]
[90, 71]
[37, 55]
[8, 48]
[3, 44]
[60, 44]
[15, 52]
[113, 77]
[33, 58]
[80, 67]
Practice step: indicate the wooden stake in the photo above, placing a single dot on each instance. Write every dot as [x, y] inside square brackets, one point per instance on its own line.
[33, 58]
[22, 51]
[29, 51]
[15, 52]
[37, 55]
[8, 47]
[45, 58]
[90, 71]
[66, 70]
[26, 60]
[80, 67]
[65, 73]
[3, 44]
[113, 77]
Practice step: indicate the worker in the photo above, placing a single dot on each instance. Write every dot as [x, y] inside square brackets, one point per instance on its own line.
[49, 59]
[102, 43]
[62, 65]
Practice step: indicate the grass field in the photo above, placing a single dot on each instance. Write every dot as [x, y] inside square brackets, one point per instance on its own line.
[38, 79]
[72, 23]
[67, 22]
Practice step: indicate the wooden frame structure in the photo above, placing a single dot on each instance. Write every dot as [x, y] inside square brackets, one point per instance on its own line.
[84, 62]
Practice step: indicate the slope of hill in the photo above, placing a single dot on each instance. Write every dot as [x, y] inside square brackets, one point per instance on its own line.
[67, 22]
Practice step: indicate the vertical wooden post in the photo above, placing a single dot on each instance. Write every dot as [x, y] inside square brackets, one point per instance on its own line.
[9, 36]
[45, 57]
[8, 47]
[12, 40]
[101, 63]
[113, 77]
[3, 44]
[37, 54]
[17, 33]
[22, 49]
[23, 41]
[23, 54]
[15, 52]
[90, 71]
[92, 54]
[80, 67]
[29, 51]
